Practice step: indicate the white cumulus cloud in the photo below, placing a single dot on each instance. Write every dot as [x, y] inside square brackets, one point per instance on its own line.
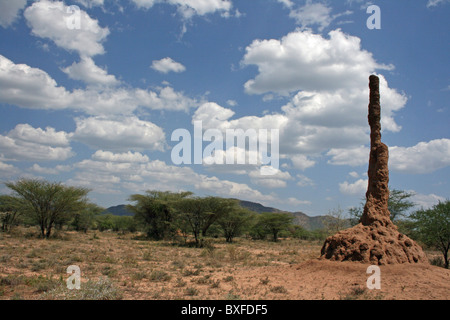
[122, 133]
[303, 60]
[9, 11]
[25, 143]
[358, 187]
[87, 71]
[52, 19]
[167, 65]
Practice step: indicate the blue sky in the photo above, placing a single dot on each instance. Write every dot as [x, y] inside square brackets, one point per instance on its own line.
[90, 95]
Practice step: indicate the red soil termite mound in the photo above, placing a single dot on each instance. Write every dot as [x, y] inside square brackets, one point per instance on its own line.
[375, 239]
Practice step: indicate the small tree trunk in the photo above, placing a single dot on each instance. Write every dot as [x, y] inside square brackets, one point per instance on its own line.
[42, 230]
[49, 230]
[446, 262]
[275, 236]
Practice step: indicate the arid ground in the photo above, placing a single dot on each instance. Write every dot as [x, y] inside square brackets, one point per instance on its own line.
[129, 267]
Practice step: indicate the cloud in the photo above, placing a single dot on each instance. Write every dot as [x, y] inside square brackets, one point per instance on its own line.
[167, 65]
[353, 174]
[276, 179]
[30, 87]
[146, 4]
[357, 188]
[329, 79]
[166, 99]
[132, 157]
[33, 88]
[349, 156]
[287, 3]
[53, 171]
[52, 20]
[122, 173]
[87, 71]
[312, 122]
[435, 3]
[8, 170]
[426, 201]
[304, 181]
[231, 189]
[302, 162]
[25, 143]
[190, 8]
[121, 133]
[424, 157]
[312, 14]
[9, 11]
[90, 3]
[295, 202]
[215, 116]
[303, 60]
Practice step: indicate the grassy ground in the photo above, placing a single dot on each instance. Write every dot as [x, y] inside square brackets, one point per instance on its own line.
[115, 266]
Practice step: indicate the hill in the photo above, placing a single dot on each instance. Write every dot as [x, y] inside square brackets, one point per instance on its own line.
[120, 210]
[300, 218]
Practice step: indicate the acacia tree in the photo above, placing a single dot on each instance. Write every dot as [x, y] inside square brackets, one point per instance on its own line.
[274, 222]
[84, 219]
[200, 213]
[216, 208]
[432, 226]
[234, 222]
[399, 203]
[155, 210]
[10, 210]
[48, 202]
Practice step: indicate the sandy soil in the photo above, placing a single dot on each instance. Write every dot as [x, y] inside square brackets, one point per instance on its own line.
[323, 279]
[246, 270]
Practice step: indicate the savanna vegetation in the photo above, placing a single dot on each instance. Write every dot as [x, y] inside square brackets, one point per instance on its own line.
[177, 244]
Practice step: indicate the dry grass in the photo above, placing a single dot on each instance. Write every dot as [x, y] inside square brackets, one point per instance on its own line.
[115, 266]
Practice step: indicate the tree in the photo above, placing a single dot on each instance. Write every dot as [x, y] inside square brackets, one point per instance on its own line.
[105, 222]
[334, 221]
[432, 226]
[234, 222]
[155, 210]
[9, 211]
[200, 213]
[398, 205]
[216, 208]
[190, 214]
[84, 219]
[273, 223]
[355, 214]
[48, 202]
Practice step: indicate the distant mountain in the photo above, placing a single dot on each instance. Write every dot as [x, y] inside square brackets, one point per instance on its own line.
[300, 218]
[120, 210]
[256, 207]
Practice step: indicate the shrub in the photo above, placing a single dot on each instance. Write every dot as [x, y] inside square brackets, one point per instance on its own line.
[102, 289]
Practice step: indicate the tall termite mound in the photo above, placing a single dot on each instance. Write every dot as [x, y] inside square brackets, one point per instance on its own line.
[375, 239]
